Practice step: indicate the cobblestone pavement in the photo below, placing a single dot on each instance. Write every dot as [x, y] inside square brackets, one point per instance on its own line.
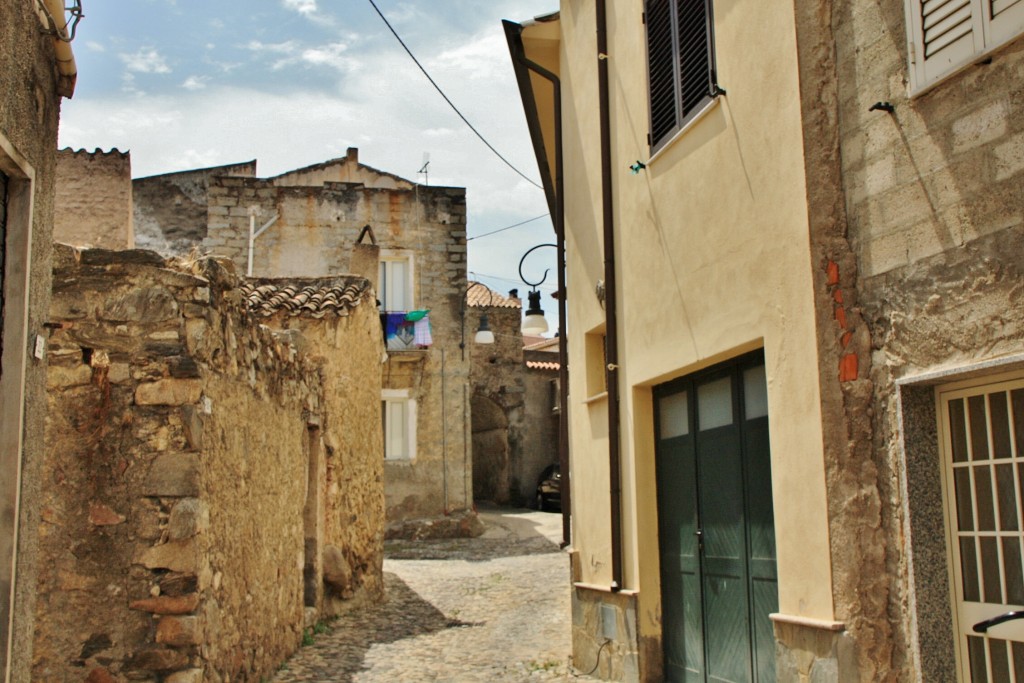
[493, 608]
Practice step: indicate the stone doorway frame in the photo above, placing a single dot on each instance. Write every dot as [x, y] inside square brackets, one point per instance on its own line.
[14, 328]
[930, 610]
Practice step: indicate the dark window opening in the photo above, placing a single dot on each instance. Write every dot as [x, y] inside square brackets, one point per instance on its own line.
[680, 64]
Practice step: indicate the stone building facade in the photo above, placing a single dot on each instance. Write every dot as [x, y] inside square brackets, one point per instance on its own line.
[498, 395]
[543, 413]
[94, 199]
[210, 492]
[169, 210]
[835, 220]
[917, 212]
[308, 223]
[37, 69]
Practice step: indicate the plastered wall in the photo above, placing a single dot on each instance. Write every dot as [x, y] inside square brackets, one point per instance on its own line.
[94, 199]
[29, 113]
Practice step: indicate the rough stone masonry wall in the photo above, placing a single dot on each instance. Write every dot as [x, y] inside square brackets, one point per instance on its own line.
[917, 220]
[313, 237]
[178, 441]
[498, 407]
[170, 209]
[540, 424]
[29, 113]
[94, 199]
[350, 535]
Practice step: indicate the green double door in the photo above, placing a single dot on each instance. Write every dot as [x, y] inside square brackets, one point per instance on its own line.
[716, 529]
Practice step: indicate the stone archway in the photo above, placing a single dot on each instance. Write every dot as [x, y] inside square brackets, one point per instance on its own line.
[489, 427]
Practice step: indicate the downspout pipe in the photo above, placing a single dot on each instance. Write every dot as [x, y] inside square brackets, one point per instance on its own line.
[556, 200]
[253, 234]
[66, 67]
[611, 313]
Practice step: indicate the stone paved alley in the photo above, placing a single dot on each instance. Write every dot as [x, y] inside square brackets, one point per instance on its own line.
[493, 608]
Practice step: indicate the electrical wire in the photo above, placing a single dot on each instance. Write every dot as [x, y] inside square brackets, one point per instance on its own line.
[507, 227]
[598, 657]
[450, 103]
[551, 287]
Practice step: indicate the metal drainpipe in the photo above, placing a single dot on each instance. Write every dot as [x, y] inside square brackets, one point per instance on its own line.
[611, 319]
[563, 343]
[253, 234]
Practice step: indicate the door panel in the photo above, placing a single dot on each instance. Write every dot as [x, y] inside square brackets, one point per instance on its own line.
[679, 558]
[716, 527]
[981, 429]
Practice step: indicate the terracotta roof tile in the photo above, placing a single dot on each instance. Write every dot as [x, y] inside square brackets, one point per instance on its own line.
[480, 295]
[312, 298]
[541, 365]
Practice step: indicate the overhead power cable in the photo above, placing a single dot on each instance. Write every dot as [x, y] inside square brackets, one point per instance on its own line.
[507, 227]
[450, 103]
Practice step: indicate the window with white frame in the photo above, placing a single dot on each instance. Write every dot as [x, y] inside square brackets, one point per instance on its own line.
[394, 286]
[945, 35]
[680, 64]
[398, 414]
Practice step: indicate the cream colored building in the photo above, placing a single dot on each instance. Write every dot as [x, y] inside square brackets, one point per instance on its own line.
[781, 295]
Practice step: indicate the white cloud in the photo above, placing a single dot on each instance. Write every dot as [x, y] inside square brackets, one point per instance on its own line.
[95, 47]
[403, 13]
[288, 47]
[145, 60]
[332, 55]
[385, 107]
[304, 7]
[195, 83]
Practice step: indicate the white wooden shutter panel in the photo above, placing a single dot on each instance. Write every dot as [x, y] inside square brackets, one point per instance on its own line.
[1005, 20]
[946, 34]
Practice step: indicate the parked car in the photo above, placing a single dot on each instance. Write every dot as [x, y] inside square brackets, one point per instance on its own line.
[549, 488]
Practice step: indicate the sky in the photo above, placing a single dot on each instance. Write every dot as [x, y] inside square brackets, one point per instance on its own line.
[187, 84]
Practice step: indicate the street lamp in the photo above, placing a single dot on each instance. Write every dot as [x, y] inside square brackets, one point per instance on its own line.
[534, 323]
[483, 335]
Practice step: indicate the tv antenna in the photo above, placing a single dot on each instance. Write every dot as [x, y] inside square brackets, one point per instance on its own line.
[424, 169]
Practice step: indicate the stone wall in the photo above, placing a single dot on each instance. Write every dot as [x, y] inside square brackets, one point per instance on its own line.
[29, 113]
[498, 405]
[540, 431]
[185, 443]
[94, 199]
[345, 526]
[917, 216]
[344, 170]
[313, 235]
[170, 209]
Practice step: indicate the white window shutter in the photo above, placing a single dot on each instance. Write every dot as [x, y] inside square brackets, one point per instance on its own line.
[1005, 20]
[397, 430]
[945, 34]
[394, 285]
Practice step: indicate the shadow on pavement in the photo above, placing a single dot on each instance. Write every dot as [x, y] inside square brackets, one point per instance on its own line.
[509, 533]
[339, 654]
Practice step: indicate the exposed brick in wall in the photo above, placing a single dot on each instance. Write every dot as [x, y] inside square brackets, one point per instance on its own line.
[184, 443]
[917, 216]
[862, 571]
[93, 205]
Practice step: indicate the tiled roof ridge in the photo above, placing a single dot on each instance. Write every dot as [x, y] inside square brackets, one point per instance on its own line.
[315, 298]
[477, 297]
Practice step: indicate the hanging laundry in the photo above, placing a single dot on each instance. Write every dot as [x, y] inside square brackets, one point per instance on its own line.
[421, 328]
